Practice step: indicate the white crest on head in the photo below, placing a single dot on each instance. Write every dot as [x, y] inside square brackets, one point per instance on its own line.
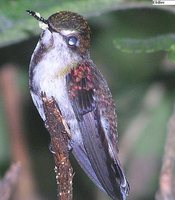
[67, 32]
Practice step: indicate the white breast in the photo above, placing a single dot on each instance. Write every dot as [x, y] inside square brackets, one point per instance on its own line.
[46, 78]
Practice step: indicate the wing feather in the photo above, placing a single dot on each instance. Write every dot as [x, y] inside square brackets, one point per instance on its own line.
[93, 105]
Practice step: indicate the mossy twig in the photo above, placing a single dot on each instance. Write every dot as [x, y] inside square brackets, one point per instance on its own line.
[59, 134]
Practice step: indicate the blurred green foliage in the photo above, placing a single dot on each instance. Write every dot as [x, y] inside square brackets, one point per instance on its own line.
[133, 46]
[148, 45]
[16, 25]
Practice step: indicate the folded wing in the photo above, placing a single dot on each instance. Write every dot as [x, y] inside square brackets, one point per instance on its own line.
[95, 111]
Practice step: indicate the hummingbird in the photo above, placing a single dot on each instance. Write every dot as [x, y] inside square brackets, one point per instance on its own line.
[62, 68]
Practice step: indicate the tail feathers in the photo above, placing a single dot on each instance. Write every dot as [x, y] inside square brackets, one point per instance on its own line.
[124, 185]
[81, 156]
[107, 170]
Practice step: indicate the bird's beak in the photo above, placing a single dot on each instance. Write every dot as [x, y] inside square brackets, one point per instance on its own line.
[43, 23]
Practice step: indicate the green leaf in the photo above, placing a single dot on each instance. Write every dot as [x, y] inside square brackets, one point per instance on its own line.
[146, 45]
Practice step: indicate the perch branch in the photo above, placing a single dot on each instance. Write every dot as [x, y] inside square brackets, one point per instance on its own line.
[167, 177]
[59, 134]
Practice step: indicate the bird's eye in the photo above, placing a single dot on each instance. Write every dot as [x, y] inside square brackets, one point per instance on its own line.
[72, 41]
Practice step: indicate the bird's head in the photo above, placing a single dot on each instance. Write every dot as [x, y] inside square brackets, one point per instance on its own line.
[66, 29]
